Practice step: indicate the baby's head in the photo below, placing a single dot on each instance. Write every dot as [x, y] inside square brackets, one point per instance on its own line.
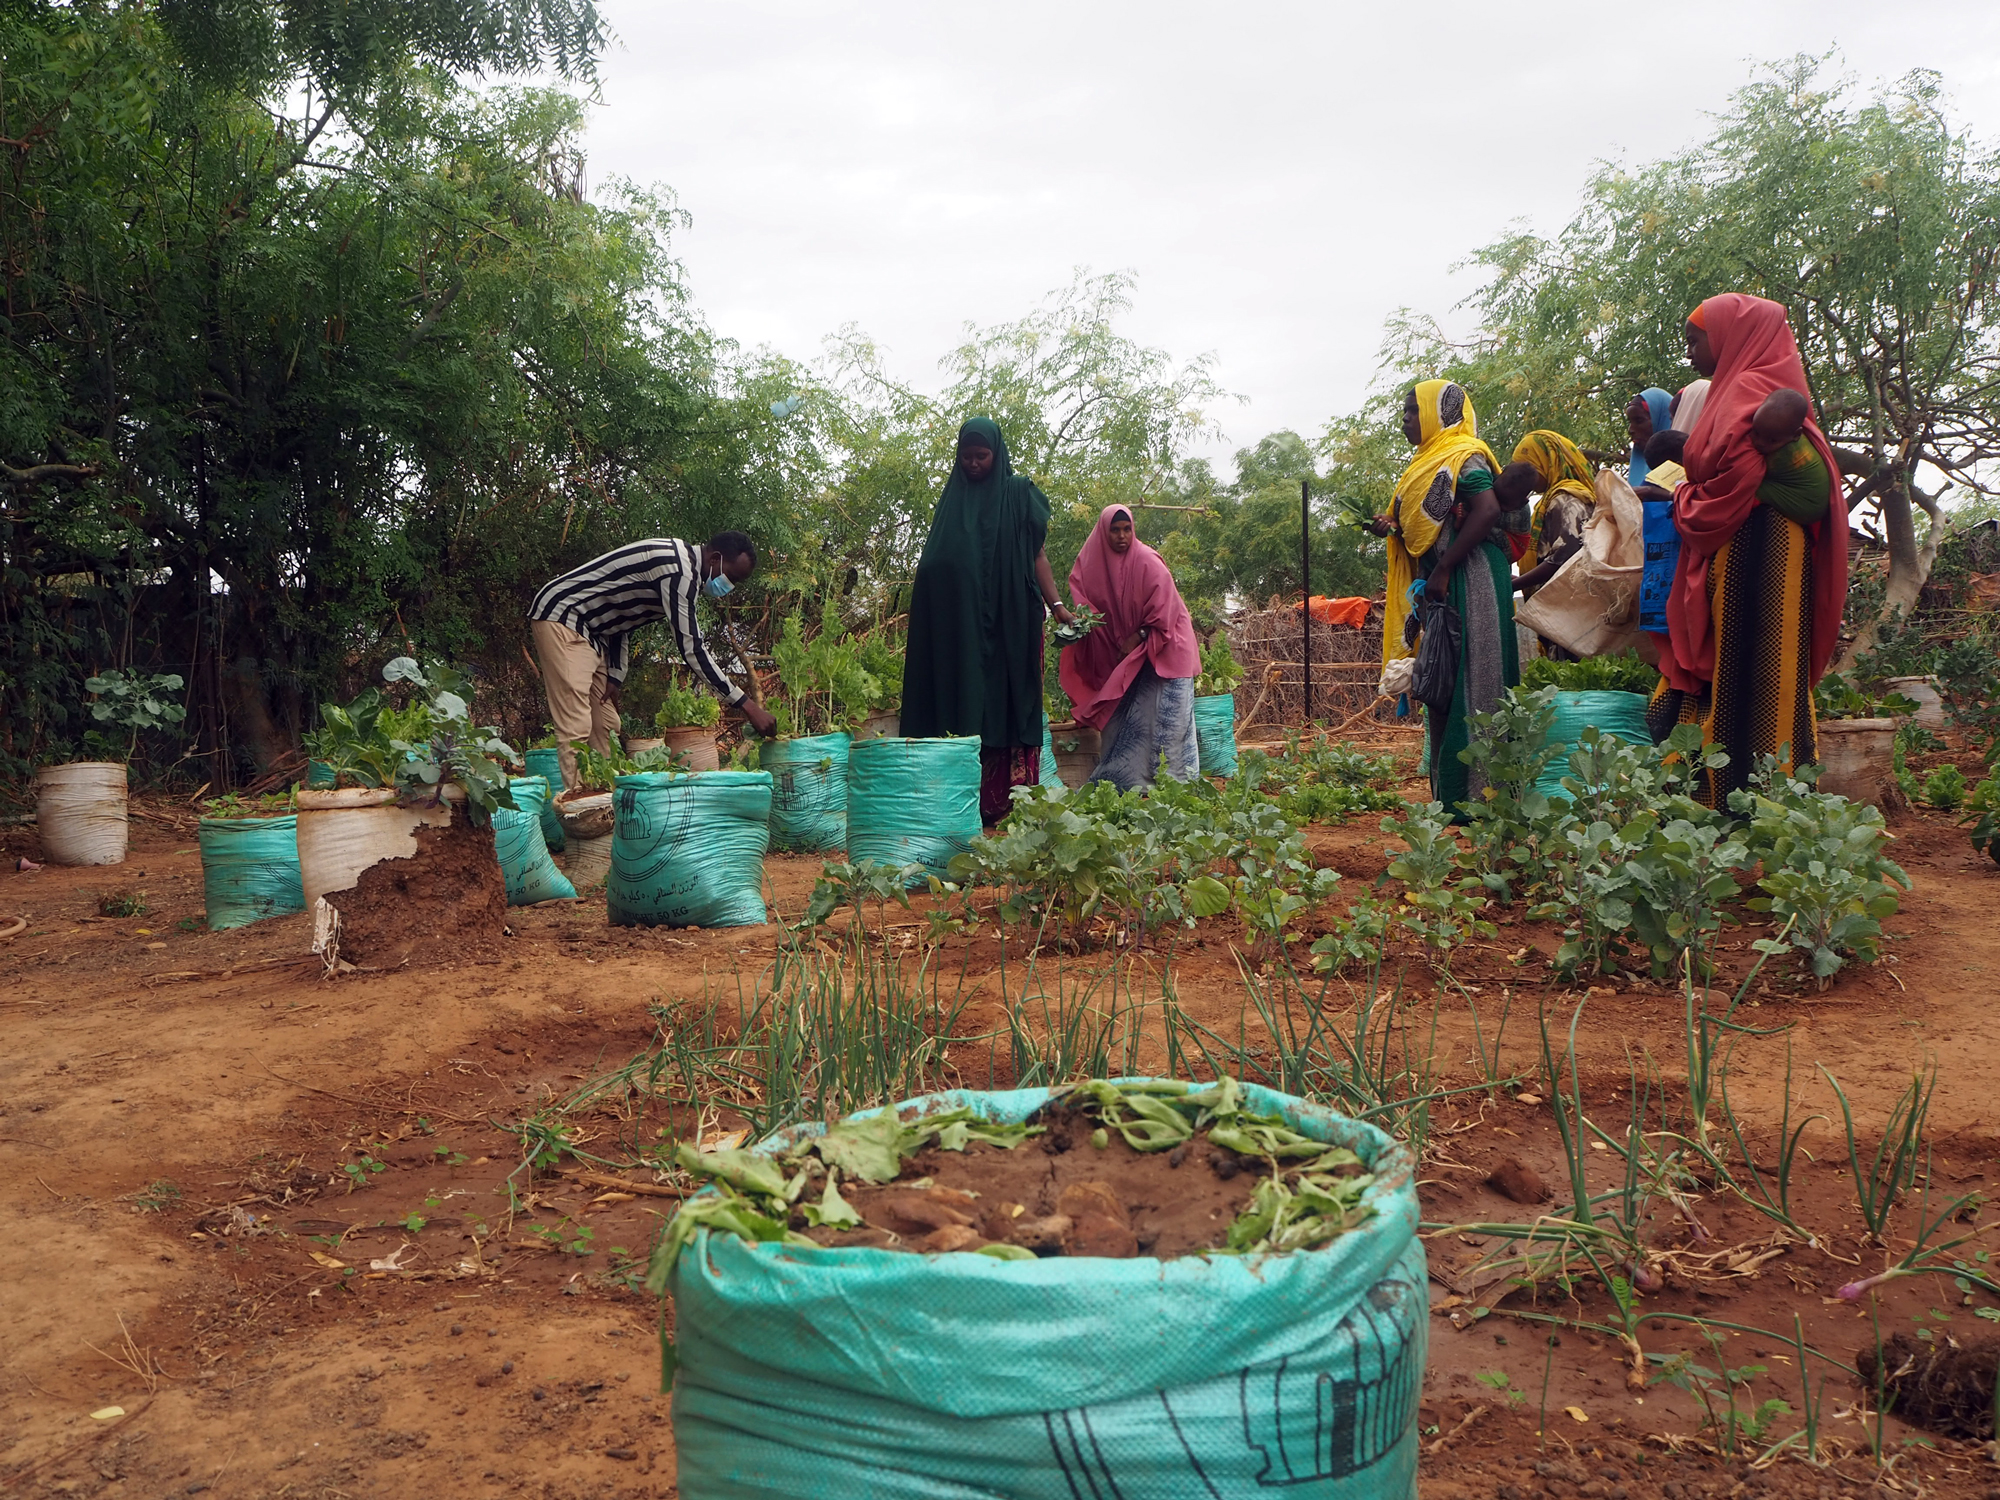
[1781, 418]
[1665, 448]
[1515, 484]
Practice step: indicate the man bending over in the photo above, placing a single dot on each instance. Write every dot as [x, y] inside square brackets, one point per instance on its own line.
[583, 621]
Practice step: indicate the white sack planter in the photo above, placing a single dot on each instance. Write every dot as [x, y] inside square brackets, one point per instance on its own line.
[350, 829]
[80, 811]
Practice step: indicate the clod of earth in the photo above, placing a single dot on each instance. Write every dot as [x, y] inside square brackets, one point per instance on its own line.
[1947, 1388]
[1521, 1184]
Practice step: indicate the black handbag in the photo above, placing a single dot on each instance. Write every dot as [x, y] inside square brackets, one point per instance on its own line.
[1435, 677]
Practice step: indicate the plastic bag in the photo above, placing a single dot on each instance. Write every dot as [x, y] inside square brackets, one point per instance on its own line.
[1434, 679]
[547, 764]
[808, 793]
[845, 1372]
[1215, 733]
[1622, 714]
[912, 801]
[525, 865]
[687, 849]
[250, 870]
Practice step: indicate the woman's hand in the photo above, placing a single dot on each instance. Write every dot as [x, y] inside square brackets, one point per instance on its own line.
[1437, 588]
[1380, 526]
[1061, 611]
[1132, 642]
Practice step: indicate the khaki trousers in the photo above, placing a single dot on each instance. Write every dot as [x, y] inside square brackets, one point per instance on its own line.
[574, 680]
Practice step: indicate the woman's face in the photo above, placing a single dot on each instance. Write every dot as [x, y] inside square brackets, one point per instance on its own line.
[1413, 422]
[1701, 353]
[975, 462]
[1119, 533]
[1639, 421]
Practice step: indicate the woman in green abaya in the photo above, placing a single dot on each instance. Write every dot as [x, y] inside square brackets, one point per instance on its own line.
[983, 589]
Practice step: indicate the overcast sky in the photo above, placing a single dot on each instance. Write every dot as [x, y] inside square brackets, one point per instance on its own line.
[1279, 176]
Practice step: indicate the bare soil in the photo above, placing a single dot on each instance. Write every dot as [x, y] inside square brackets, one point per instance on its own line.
[285, 1224]
[449, 899]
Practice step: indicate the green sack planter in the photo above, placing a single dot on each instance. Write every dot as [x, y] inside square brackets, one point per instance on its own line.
[844, 1372]
[808, 792]
[1622, 714]
[687, 849]
[319, 776]
[1048, 777]
[547, 764]
[525, 865]
[250, 870]
[912, 802]
[1215, 733]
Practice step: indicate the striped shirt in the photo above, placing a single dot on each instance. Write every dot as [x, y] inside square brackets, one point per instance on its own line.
[611, 596]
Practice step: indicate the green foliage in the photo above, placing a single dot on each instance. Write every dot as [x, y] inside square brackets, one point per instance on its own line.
[1944, 788]
[135, 701]
[1827, 874]
[685, 708]
[236, 805]
[827, 689]
[1219, 671]
[1623, 673]
[417, 748]
[1441, 904]
[1836, 697]
[1317, 781]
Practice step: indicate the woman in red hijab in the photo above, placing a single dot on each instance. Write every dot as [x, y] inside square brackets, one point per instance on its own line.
[1755, 607]
[1133, 676]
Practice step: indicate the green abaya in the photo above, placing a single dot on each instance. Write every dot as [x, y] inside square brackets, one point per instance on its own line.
[974, 662]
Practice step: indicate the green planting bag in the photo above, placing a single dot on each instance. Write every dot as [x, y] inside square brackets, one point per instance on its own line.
[1048, 777]
[1215, 733]
[548, 765]
[525, 865]
[808, 793]
[912, 801]
[687, 849]
[1622, 714]
[808, 1373]
[250, 870]
[319, 776]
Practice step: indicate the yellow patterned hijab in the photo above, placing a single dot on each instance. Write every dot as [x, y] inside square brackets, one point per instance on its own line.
[1564, 470]
[1449, 435]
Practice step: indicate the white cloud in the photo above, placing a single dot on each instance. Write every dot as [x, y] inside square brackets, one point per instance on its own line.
[1280, 175]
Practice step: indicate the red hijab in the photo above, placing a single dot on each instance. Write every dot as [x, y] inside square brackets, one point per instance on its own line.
[1755, 354]
[1131, 589]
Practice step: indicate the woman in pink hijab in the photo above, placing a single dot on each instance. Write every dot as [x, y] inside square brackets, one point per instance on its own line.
[1133, 676]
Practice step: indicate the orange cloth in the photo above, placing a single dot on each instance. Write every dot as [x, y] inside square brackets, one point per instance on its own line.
[1352, 612]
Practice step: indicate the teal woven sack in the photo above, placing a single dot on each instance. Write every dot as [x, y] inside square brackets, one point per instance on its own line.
[861, 1372]
[319, 776]
[1048, 777]
[548, 765]
[525, 865]
[1215, 733]
[250, 870]
[687, 849]
[808, 793]
[912, 801]
[1622, 714]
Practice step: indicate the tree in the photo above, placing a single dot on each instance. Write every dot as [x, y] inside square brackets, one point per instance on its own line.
[1875, 220]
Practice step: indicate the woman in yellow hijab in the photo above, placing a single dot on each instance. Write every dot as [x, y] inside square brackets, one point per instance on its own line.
[1443, 529]
[1550, 465]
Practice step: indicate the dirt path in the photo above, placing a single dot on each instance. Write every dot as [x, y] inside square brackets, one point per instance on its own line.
[180, 1111]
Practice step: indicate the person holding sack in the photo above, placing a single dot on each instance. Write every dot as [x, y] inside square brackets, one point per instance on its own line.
[1133, 676]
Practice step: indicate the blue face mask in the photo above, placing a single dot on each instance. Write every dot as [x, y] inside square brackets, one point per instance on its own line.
[719, 585]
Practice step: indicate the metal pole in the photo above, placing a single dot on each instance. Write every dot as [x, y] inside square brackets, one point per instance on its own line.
[1306, 589]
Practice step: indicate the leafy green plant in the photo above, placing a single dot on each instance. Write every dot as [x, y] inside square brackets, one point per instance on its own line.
[1719, 1391]
[416, 748]
[1827, 875]
[827, 689]
[1441, 906]
[1219, 671]
[1945, 788]
[566, 1237]
[123, 904]
[1623, 673]
[135, 701]
[1085, 619]
[237, 805]
[687, 708]
[1836, 697]
[362, 1171]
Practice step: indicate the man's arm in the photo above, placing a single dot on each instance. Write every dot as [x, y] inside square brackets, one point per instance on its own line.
[677, 596]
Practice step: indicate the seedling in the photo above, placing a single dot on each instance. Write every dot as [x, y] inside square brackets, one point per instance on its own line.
[361, 1173]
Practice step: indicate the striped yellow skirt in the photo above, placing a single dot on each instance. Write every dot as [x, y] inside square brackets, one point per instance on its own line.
[1759, 701]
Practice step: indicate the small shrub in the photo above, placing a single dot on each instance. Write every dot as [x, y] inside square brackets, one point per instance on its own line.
[1944, 789]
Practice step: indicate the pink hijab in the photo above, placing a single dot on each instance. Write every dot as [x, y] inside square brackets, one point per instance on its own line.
[1131, 590]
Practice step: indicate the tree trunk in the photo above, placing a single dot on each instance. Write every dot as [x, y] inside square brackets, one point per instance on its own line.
[1909, 563]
